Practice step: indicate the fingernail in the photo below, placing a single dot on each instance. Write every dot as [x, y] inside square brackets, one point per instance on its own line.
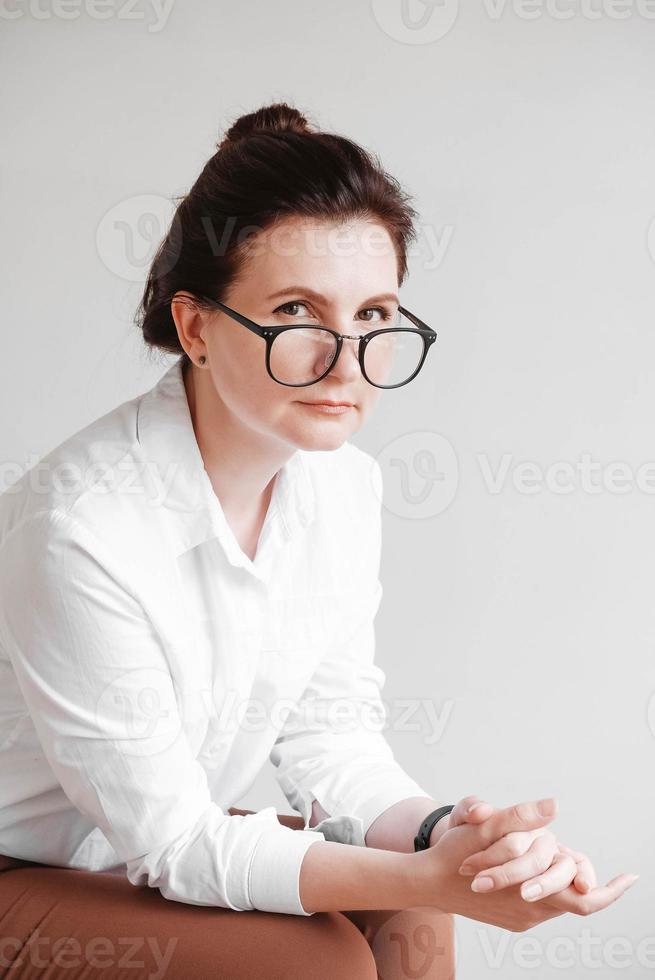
[584, 882]
[547, 806]
[634, 878]
[482, 884]
[531, 892]
[474, 806]
[466, 869]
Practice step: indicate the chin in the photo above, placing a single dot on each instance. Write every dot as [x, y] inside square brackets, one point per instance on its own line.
[319, 439]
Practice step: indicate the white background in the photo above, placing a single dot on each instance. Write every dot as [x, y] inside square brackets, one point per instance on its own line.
[525, 135]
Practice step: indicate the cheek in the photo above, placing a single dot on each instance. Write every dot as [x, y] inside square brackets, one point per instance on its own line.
[245, 387]
[249, 393]
[369, 397]
[238, 361]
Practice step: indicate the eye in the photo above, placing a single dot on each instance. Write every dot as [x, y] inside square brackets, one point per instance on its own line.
[385, 314]
[290, 309]
[285, 309]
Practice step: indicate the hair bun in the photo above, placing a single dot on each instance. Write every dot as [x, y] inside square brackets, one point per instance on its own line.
[276, 118]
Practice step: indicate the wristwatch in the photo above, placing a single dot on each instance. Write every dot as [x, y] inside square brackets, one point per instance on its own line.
[422, 839]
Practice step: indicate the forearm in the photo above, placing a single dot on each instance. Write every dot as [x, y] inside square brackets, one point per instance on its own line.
[395, 829]
[339, 877]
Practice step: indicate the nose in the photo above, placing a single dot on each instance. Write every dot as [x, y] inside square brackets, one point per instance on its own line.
[347, 367]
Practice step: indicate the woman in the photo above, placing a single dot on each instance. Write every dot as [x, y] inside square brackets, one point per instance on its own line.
[210, 547]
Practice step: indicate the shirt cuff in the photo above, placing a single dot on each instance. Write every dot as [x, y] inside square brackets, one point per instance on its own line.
[349, 822]
[342, 830]
[274, 879]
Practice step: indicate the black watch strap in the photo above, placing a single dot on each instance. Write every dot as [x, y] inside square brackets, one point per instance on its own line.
[422, 839]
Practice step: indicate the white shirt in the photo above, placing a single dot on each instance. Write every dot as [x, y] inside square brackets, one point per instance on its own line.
[135, 633]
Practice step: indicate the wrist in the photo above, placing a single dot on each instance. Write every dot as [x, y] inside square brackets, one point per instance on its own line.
[439, 829]
[433, 826]
[424, 882]
[418, 881]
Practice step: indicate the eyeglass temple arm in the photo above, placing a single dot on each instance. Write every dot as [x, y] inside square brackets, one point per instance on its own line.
[259, 330]
[250, 324]
[416, 321]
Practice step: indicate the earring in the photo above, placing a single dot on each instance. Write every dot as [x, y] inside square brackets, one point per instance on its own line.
[202, 359]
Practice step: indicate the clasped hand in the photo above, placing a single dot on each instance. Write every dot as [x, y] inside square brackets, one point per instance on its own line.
[521, 874]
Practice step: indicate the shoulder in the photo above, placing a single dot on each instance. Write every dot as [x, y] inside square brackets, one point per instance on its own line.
[76, 479]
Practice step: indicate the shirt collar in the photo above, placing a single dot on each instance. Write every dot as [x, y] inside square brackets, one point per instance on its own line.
[166, 436]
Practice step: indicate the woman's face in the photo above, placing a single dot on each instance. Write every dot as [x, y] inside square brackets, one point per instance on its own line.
[310, 272]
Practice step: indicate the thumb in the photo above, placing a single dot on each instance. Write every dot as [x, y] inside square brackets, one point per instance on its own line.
[470, 810]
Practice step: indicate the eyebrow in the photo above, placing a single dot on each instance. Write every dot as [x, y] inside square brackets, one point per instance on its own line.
[289, 290]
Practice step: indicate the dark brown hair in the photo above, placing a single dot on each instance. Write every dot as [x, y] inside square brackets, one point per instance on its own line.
[270, 164]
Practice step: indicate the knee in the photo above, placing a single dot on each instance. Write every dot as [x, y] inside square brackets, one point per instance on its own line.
[254, 944]
[417, 941]
[326, 946]
[342, 953]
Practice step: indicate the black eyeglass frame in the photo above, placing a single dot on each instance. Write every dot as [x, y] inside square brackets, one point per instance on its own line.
[270, 333]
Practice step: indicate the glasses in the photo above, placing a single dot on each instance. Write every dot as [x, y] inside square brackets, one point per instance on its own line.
[298, 355]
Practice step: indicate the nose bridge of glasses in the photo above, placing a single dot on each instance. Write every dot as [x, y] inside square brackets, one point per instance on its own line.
[322, 330]
[338, 351]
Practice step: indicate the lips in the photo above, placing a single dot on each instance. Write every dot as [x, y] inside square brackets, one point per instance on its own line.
[332, 404]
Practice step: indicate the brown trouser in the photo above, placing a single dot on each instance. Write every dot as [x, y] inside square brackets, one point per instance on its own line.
[70, 924]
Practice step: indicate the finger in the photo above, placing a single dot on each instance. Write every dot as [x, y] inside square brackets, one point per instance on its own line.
[520, 816]
[585, 879]
[576, 855]
[470, 809]
[558, 876]
[536, 859]
[508, 847]
[569, 900]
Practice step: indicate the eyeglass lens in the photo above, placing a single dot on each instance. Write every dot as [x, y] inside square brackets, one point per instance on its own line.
[305, 353]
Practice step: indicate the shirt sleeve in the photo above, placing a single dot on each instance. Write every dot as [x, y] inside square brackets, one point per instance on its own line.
[332, 747]
[94, 674]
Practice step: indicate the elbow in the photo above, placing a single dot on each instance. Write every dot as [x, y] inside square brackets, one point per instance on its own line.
[198, 867]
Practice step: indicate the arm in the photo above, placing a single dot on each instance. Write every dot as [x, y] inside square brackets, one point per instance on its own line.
[331, 751]
[96, 680]
[372, 801]
[396, 827]
[332, 760]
